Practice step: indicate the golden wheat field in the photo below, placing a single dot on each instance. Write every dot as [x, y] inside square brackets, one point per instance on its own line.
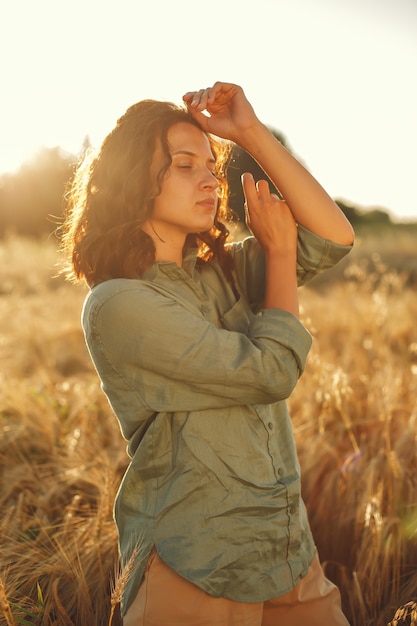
[354, 414]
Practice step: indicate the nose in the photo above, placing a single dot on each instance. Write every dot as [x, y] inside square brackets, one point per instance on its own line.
[209, 180]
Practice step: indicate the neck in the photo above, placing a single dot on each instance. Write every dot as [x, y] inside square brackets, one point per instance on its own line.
[167, 247]
[164, 252]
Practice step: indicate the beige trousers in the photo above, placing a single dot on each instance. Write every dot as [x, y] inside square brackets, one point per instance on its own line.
[166, 599]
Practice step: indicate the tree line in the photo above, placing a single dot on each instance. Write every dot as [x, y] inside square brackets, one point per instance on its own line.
[32, 200]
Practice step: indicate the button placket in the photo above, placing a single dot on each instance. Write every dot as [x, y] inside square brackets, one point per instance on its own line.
[273, 448]
[179, 275]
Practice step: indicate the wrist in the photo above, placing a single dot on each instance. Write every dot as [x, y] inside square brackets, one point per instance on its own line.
[283, 255]
[253, 136]
[281, 285]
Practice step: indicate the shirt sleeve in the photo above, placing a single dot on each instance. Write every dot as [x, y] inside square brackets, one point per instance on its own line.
[144, 342]
[314, 255]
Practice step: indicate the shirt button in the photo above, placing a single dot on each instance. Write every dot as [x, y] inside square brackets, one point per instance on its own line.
[270, 426]
[280, 471]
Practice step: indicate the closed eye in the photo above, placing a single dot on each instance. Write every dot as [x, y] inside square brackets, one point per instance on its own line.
[189, 167]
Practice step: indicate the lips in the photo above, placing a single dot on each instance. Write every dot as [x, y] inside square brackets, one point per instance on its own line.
[208, 204]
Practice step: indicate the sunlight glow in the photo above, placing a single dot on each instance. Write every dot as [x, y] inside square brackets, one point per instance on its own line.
[335, 78]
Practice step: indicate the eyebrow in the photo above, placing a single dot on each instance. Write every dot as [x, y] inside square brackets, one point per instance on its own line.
[191, 154]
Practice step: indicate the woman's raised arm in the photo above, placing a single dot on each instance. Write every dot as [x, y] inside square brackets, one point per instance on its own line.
[232, 117]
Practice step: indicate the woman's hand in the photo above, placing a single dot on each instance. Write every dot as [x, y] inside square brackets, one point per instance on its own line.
[269, 218]
[274, 226]
[230, 113]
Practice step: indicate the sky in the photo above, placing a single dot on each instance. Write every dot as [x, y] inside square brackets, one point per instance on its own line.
[336, 77]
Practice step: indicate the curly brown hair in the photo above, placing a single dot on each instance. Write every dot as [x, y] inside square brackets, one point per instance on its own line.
[112, 194]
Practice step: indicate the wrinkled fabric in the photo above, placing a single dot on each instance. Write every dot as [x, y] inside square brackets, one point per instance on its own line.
[198, 380]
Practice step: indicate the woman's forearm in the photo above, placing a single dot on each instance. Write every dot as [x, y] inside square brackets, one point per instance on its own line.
[309, 202]
[281, 283]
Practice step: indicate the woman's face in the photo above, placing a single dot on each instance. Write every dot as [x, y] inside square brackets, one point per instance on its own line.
[188, 199]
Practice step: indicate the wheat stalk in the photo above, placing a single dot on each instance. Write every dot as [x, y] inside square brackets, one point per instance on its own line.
[5, 606]
[120, 582]
[406, 614]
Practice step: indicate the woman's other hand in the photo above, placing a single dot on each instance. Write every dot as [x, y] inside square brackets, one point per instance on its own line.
[229, 112]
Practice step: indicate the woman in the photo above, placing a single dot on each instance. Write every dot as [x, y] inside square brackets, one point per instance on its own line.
[198, 345]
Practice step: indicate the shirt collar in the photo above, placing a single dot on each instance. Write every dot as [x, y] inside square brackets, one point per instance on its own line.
[171, 269]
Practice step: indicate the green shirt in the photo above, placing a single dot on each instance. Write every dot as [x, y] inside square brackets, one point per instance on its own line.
[198, 382]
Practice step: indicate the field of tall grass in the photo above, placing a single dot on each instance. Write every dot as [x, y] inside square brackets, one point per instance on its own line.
[354, 413]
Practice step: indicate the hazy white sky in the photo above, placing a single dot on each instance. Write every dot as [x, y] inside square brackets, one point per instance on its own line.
[337, 77]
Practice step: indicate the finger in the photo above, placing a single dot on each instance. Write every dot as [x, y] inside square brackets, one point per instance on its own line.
[200, 101]
[221, 91]
[202, 119]
[214, 92]
[249, 189]
[190, 98]
[187, 97]
[262, 187]
[197, 100]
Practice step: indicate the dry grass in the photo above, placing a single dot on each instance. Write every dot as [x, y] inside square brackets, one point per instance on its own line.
[62, 456]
